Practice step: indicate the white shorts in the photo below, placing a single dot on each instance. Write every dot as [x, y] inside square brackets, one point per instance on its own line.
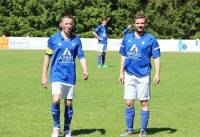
[102, 48]
[136, 87]
[65, 90]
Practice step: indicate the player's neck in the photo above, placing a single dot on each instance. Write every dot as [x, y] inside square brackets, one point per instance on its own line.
[138, 34]
[65, 35]
[104, 25]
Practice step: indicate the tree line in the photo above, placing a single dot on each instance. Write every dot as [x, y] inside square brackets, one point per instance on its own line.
[178, 19]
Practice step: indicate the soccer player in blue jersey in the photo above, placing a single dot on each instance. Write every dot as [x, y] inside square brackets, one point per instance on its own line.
[126, 30]
[136, 51]
[63, 48]
[101, 33]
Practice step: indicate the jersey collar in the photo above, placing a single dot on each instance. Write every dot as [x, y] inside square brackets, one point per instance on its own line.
[138, 37]
[62, 38]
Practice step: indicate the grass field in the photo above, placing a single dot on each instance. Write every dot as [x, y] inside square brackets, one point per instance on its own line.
[98, 105]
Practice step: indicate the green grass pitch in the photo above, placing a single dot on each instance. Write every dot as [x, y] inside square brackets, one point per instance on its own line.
[98, 104]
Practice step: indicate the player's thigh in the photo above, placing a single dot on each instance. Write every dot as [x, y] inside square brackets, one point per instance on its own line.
[56, 92]
[56, 88]
[143, 88]
[68, 92]
[105, 48]
[101, 48]
[129, 87]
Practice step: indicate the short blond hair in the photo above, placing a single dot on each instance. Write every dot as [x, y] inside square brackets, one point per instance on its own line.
[139, 15]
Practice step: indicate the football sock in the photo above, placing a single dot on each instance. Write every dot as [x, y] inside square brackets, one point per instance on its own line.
[103, 59]
[130, 114]
[68, 117]
[144, 119]
[55, 109]
[99, 60]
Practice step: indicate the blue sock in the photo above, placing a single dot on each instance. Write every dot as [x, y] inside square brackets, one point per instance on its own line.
[103, 59]
[68, 117]
[144, 119]
[55, 109]
[99, 60]
[130, 114]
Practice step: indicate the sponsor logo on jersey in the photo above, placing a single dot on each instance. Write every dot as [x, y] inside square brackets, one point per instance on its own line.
[66, 57]
[133, 52]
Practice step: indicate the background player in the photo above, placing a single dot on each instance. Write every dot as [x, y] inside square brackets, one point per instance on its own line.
[126, 30]
[101, 33]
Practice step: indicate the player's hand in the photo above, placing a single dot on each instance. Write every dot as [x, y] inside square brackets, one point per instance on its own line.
[44, 82]
[129, 26]
[121, 78]
[156, 79]
[100, 39]
[85, 75]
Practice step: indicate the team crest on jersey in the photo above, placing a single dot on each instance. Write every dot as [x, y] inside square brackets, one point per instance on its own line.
[66, 57]
[59, 44]
[142, 42]
[133, 52]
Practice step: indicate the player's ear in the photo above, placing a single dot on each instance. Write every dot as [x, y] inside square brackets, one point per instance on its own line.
[133, 25]
[146, 25]
[60, 25]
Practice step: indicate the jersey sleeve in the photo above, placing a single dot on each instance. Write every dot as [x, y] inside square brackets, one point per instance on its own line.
[97, 29]
[155, 49]
[49, 49]
[80, 52]
[125, 31]
[122, 49]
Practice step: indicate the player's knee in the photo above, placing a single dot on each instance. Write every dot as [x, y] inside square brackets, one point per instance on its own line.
[145, 105]
[56, 99]
[68, 102]
[129, 103]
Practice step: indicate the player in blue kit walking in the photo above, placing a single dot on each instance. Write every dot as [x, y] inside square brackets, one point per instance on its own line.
[101, 33]
[63, 47]
[126, 30]
[136, 51]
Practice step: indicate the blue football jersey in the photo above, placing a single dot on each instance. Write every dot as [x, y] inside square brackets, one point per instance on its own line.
[63, 54]
[102, 32]
[126, 31]
[138, 52]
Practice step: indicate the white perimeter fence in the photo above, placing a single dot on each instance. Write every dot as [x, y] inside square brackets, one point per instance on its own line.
[39, 43]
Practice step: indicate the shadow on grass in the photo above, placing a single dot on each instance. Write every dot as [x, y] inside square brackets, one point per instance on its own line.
[87, 131]
[110, 66]
[152, 131]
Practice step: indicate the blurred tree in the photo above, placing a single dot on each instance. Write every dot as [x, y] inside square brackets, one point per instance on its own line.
[166, 19]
